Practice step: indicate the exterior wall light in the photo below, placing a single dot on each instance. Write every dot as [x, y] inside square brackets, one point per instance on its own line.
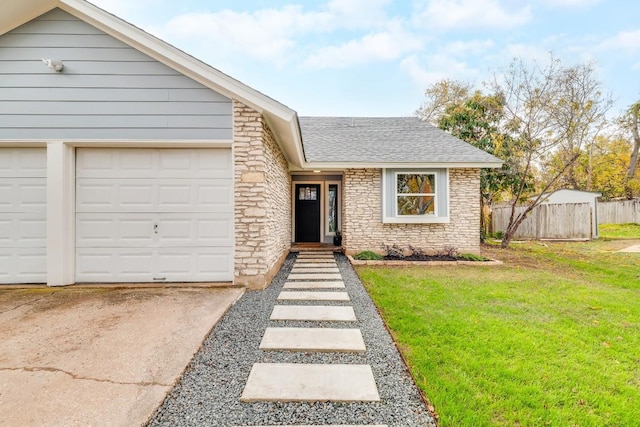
[54, 64]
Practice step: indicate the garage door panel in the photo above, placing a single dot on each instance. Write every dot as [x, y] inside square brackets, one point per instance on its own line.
[149, 163]
[156, 230]
[210, 264]
[109, 266]
[161, 195]
[23, 265]
[23, 195]
[154, 265]
[23, 163]
[94, 230]
[24, 231]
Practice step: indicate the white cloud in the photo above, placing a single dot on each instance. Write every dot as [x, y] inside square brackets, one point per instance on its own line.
[570, 3]
[465, 14]
[471, 47]
[272, 34]
[354, 14]
[381, 46]
[527, 52]
[121, 8]
[438, 67]
[266, 33]
[628, 41]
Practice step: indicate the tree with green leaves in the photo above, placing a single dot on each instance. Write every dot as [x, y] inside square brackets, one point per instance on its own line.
[474, 118]
[601, 166]
[630, 122]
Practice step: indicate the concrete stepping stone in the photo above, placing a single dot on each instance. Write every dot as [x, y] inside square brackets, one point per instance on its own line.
[314, 313]
[313, 339]
[314, 285]
[320, 256]
[302, 382]
[314, 276]
[297, 269]
[306, 265]
[315, 253]
[316, 260]
[313, 296]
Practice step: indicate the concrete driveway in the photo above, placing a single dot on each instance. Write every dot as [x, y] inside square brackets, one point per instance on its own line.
[98, 356]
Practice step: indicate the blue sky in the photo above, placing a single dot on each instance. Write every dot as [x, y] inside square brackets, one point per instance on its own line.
[376, 57]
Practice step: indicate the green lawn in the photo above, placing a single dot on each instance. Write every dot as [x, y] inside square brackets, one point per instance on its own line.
[619, 231]
[552, 338]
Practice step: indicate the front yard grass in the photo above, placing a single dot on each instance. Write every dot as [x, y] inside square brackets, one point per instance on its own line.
[552, 338]
[619, 231]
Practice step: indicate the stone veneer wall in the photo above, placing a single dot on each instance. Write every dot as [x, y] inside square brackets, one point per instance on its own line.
[261, 200]
[279, 211]
[363, 229]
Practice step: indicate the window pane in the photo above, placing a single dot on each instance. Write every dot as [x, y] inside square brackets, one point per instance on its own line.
[333, 208]
[416, 205]
[307, 193]
[416, 183]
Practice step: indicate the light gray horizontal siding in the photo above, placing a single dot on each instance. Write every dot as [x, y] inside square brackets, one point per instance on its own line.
[107, 89]
[112, 94]
[71, 54]
[90, 68]
[55, 40]
[123, 121]
[105, 80]
[193, 109]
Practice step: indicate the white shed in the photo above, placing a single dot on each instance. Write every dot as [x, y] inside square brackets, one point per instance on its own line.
[576, 196]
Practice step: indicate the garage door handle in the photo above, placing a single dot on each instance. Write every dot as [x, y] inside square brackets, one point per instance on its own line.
[155, 228]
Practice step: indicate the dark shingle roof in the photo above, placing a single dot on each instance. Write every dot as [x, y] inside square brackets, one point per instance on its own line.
[384, 140]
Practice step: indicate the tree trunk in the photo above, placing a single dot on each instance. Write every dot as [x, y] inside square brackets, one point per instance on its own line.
[590, 167]
[635, 131]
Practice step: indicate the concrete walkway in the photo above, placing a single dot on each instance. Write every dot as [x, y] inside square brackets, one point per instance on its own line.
[98, 357]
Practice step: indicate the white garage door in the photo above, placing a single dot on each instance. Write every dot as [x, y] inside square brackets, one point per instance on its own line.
[145, 215]
[23, 215]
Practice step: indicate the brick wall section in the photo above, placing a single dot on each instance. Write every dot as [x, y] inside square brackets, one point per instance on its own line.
[260, 174]
[362, 221]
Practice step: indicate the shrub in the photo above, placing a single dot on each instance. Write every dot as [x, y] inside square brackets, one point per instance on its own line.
[368, 256]
[473, 257]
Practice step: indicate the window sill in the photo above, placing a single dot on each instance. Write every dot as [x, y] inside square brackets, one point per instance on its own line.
[416, 220]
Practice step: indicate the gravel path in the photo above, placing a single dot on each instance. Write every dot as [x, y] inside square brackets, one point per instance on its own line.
[209, 391]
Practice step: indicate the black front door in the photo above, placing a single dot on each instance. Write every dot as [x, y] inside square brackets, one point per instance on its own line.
[307, 212]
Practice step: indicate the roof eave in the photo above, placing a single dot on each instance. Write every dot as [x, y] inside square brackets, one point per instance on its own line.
[404, 165]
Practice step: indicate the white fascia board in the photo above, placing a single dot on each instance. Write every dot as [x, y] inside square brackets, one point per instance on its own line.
[353, 165]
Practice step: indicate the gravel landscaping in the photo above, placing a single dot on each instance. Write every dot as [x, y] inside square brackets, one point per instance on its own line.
[210, 388]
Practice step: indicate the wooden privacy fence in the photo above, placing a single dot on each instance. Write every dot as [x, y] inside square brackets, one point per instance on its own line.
[556, 221]
[619, 212]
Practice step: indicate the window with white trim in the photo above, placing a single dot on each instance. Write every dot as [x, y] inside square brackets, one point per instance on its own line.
[415, 196]
[415, 193]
